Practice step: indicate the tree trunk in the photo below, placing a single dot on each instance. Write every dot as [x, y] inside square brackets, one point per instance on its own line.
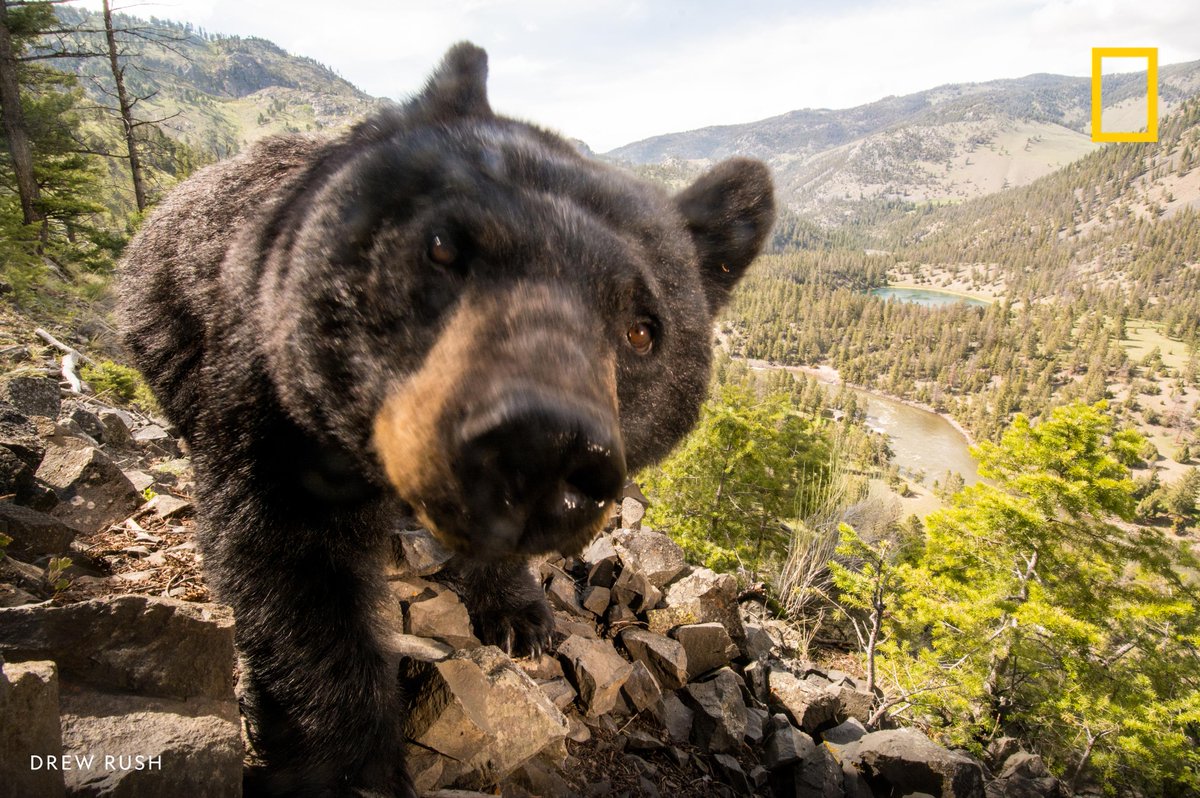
[126, 108]
[13, 119]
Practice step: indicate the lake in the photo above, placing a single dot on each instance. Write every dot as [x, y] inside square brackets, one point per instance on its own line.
[930, 298]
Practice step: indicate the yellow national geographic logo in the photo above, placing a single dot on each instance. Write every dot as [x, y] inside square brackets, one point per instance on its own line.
[1151, 56]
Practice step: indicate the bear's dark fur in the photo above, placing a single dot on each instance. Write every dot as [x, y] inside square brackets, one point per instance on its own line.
[442, 313]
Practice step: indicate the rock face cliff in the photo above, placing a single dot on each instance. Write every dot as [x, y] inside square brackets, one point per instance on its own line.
[119, 678]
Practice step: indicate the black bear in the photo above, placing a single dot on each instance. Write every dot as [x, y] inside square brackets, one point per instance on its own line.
[443, 313]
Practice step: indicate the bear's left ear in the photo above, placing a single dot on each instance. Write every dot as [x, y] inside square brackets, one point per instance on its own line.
[458, 87]
[729, 211]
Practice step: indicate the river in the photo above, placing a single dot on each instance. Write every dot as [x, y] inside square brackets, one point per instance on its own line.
[922, 442]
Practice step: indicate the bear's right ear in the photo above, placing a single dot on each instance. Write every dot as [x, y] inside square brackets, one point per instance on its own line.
[729, 211]
[458, 87]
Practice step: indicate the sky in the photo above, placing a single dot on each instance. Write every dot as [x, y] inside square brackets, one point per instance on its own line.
[610, 72]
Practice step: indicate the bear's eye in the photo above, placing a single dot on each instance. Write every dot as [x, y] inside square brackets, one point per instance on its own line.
[442, 251]
[641, 337]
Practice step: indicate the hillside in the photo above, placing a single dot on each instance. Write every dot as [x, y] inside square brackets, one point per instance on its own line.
[945, 144]
[219, 92]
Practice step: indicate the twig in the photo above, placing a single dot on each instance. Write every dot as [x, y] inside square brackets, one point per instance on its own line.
[59, 345]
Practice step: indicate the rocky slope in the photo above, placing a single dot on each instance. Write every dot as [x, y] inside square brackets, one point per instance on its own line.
[660, 682]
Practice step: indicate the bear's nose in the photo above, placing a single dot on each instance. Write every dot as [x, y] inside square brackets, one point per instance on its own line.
[538, 469]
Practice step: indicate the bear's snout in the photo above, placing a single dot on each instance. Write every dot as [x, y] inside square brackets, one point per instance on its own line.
[539, 467]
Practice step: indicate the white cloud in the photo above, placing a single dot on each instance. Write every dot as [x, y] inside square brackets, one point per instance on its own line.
[612, 71]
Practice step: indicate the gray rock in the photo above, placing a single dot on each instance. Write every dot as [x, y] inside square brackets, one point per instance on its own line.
[597, 671]
[810, 705]
[756, 724]
[138, 644]
[442, 617]
[729, 770]
[786, 745]
[19, 435]
[758, 642]
[706, 597]
[559, 691]
[33, 396]
[166, 506]
[482, 710]
[665, 658]
[140, 480]
[29, 706]
[845, 733]
[419, 553]
[156, 439]
[34, 534]
[1025, 775]
[719, 723]
[1000, 749]
[562, 595]
[651, 553]
[191, 747]
[756, 675]
[89, 422]
[641, 689]
[632, 513]
[852, 703]
[676, 717]
[708, 647]
[117, 427]
[92, 491]
[907, 761]
[596, 599]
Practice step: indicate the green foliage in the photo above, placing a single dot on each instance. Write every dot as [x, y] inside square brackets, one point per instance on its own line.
[55, 570]
[118, 382]
[751, 463]
[1035, 610]
[4, 541]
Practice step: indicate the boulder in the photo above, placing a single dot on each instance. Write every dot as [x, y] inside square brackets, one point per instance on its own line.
[441, 617]
[156, 439]
[19, 435]
[632, 513]
[559, 691]
[708, 647]
[665, 658]
[32, 396]
[758, 642]
[418, 553]
[641, 689]
[118, 427]
[597, 671]
[810, 705]
[29, 706]
[92, 490]
[88, 422]
[596, 599]
[479, 709]
[845, 733]
[706, 597]
[138, 644]
[651, 553]
[562, 595]
[676, 717]
[146, 746]
[854, 703]
[906, 761]
[729, 771]
[1025, 775]
[34, 534]
[719, 723]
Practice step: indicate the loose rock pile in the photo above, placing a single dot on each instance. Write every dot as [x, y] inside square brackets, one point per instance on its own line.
[657, 682]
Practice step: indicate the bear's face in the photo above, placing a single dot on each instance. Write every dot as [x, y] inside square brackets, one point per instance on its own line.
[508, 328]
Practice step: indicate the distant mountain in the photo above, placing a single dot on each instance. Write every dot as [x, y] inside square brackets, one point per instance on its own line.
[945, 144]
[221, 92]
